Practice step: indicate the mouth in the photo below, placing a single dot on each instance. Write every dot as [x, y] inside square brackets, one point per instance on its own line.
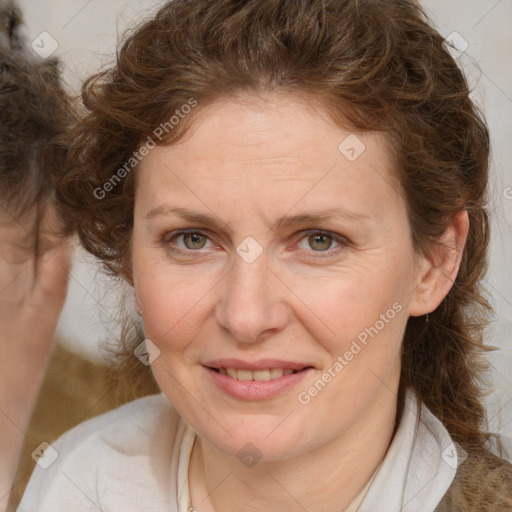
[256, 380]
[257, 375]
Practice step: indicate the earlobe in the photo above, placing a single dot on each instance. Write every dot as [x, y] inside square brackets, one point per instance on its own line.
[136, 303]
[439, 269]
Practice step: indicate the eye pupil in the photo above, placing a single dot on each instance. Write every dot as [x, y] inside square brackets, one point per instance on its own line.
[324, 241]
[195, 238]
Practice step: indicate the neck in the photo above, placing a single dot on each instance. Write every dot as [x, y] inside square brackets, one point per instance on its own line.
[325, 479]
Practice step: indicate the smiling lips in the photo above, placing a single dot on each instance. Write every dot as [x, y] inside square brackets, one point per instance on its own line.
[255, 381]
[264, 369]
[261, 375]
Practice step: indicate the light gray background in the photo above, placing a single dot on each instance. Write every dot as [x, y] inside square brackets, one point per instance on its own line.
[86, 32]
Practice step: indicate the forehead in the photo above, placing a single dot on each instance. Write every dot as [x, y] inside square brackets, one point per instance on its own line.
[273, 126]
[282, 147]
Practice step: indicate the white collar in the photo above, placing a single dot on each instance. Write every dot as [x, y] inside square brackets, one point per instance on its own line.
[413, 476]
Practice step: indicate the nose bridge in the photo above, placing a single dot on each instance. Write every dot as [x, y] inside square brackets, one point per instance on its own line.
[248, 279]
[249, 305]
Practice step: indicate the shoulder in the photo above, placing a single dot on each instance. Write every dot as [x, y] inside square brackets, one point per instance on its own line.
[123, 456]
[483, 483]
[127, 429]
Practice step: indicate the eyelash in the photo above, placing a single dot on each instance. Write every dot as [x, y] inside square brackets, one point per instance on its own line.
[343, 243]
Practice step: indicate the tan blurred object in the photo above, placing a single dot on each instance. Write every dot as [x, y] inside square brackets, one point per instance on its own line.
[74, 390]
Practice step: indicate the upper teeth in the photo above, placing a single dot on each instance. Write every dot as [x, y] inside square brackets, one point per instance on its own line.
[268, 374]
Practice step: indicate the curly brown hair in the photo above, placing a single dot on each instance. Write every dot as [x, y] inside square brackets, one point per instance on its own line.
[373, 65]
[34, 112]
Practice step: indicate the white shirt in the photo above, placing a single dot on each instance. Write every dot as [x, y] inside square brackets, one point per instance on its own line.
[127, 461]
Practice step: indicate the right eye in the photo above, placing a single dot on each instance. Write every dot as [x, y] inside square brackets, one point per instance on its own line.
[193, 241]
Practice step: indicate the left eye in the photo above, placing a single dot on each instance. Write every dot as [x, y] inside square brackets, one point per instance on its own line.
[320, 241]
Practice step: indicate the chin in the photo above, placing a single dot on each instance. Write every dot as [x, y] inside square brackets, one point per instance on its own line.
[263, 437]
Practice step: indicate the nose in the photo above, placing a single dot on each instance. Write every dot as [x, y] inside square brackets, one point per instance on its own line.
[252, 305]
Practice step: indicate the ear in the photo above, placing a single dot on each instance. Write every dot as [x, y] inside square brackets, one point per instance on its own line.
[437, 271]
[136, 303]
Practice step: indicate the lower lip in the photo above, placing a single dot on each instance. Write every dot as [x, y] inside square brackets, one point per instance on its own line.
[255, 389]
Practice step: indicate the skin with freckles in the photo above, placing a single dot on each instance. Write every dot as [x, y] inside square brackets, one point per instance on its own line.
[314, 288]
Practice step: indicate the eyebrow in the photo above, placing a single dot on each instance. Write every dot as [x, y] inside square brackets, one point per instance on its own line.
[282, 223]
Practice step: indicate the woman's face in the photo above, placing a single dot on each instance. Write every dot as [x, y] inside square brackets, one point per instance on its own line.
[298, 257]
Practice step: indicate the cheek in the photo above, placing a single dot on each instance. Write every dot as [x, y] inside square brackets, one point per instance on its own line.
[173, 303]
[345, 304]
[363, 321]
